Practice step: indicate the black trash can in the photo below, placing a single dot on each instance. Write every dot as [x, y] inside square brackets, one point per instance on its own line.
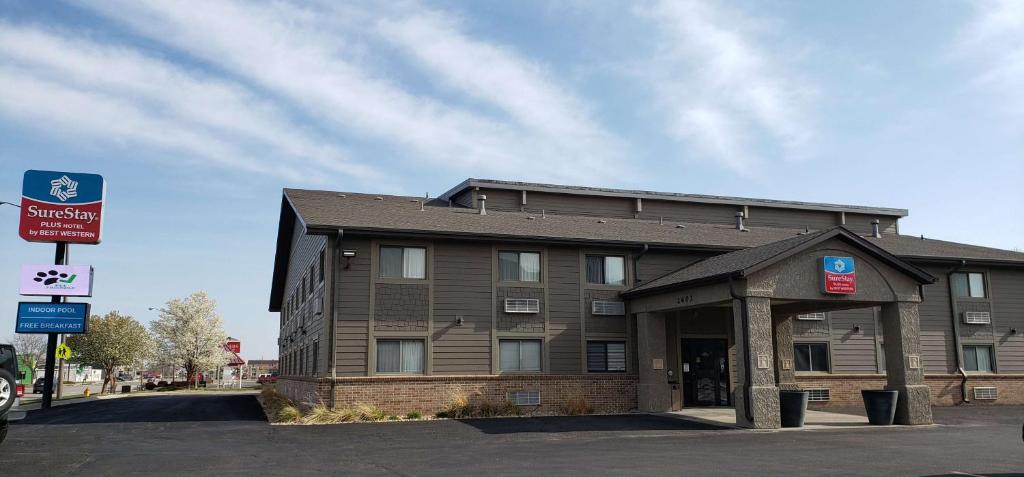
[880, 406]
[793, 408]
[126, 389]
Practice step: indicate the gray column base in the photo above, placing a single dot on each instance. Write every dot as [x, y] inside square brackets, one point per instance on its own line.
[764, 408]
[654, 397]
[914, 406]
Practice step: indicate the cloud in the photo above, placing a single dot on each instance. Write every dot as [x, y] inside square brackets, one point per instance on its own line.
[120, 95]
[721, 89]
[992, 42]
[315, 59]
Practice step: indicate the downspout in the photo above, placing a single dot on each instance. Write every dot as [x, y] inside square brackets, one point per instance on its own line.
[636, 264]
[747, 379]
[335, 256]
[958, 348]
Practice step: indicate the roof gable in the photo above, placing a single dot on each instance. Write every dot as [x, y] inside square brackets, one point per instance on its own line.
[751, 260]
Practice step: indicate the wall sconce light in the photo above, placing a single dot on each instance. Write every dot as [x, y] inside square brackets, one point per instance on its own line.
[856, 328]
[1013, 331]
[348, 254]
[458, 320]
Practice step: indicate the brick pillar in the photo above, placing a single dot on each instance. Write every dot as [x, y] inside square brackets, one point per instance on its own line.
[782, 340]
[752, 319]
[902, 330]
[653, 392]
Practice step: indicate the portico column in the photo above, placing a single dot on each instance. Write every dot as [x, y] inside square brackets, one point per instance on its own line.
[902, 330]
[785, 374]
[653, 393]
[757, 396]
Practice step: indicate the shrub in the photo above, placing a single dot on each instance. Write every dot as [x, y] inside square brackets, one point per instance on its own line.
[576, 407]
[413, 415]
[442, 415]
[509, 408]
[288, 413]
[320, 414]
[392, 417]
[162, 383]
[150, 386]
[460, 407]
[369, 412]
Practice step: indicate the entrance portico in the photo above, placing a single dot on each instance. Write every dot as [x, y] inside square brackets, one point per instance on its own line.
[758, 291]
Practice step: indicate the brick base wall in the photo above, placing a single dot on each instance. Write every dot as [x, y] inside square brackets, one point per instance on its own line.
[945, 388]
[430, 394]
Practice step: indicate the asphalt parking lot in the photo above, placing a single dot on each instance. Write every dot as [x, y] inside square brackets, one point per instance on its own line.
[227, 434]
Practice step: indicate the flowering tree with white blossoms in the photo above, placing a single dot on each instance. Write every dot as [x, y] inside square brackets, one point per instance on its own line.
[190, 334]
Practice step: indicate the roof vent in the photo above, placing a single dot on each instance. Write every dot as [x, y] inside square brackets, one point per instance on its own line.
[602, 221]
[874, 229]
[483, 204]
[739, 222]
[379, 198]
[661, 220]
[342, 195]
[680, 226]
[530, 217]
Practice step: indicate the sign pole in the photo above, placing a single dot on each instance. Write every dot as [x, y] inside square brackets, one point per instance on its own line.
[59, 258]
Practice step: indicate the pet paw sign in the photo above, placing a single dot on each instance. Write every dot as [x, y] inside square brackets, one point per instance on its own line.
[62, 207]
[838, 275]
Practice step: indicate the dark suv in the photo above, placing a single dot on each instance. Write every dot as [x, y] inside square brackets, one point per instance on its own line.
[10, 390]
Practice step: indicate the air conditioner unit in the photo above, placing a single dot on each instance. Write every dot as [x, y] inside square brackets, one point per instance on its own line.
[818, 395]
[608, 308]
[987, 393]
[811, 317]
[977, 317]
[522, 305]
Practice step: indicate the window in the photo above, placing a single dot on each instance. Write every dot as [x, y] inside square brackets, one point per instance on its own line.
[400, 356]
[525, 398]
[811, 357]
[316, 356]
[403, 262]
[304, 286]
[978, 358]
[312, 273]
[606, 270]
[519, 266]
[519, 355]
[606, 356]
[320, 277]
[970, 285]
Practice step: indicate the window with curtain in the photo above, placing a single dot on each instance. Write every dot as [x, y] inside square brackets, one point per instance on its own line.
[403, 262]
[519, 355]
[323, 262]
[519, 266]
[978, 358]
[606, 356]
[811, 357]
[606, 269]
[970, 285]
[400, 356]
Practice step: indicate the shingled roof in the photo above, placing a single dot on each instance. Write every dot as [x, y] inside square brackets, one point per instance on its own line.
[748, 260]
[353, 212]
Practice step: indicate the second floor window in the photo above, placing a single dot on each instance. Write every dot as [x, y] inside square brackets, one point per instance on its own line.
[970, 285]
[519, 266]
[403, 262]
[606, 270]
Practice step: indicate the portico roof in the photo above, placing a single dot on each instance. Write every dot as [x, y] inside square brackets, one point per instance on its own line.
[749, 260]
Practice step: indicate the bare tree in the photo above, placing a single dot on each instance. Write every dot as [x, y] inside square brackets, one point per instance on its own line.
[190, 334]
[31, 350]
[112, 340]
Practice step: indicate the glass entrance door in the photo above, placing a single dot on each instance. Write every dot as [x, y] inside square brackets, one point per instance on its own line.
[705, 372]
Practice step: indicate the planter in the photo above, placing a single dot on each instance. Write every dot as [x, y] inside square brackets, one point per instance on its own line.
[880, 406]
[793, 408]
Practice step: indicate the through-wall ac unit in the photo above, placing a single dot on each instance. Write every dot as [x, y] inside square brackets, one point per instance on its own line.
[986, 393]
[525, 398]
[818, 395]
[608, 308]
[522, 305]
[977, 317]
[811, 317]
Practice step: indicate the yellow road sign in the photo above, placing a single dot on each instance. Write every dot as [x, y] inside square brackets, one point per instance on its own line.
[63, 351]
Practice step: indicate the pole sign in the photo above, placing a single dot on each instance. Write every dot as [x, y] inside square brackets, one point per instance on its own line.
[52, 317]
[839, 275]
[234, 346]
[62, 207]
[56, 280]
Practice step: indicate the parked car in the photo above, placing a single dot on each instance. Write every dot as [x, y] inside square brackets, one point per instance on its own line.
[266, 378]
[10, 389]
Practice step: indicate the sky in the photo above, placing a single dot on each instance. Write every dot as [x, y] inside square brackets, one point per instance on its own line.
[199, 113]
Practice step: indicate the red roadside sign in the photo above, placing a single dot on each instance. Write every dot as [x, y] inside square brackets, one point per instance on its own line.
[62, 207]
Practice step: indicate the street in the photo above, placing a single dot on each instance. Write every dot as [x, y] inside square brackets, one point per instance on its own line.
[227, 434]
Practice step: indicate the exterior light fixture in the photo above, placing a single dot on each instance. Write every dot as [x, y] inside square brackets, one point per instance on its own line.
[348, 253]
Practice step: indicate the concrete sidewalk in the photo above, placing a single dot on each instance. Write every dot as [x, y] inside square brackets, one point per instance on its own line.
[726, 417]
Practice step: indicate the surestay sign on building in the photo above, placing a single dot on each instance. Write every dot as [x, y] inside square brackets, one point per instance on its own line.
[839, 275]
[62, 207]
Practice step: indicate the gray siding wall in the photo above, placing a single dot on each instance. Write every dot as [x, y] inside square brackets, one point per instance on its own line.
[462, 287]
[564, 310]
[1007, 289]
[791, 218]
[352, 305]
[303, 325]
[853, 351]
[861, 223]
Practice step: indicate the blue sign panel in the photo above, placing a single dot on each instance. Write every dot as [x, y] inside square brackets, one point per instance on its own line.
[838, 275]
[34, 317]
